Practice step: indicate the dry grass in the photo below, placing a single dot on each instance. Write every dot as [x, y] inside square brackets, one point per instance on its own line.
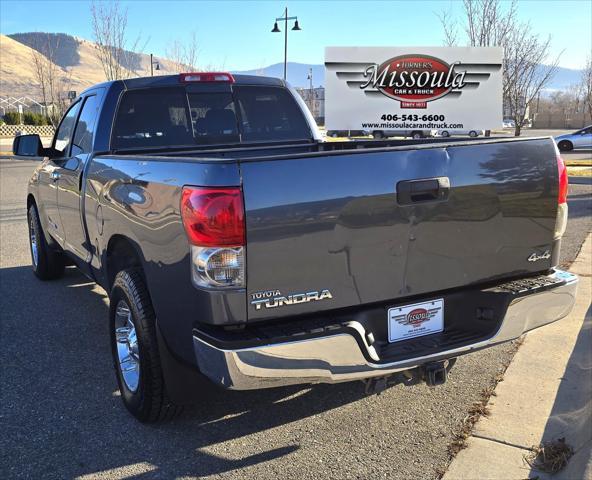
[585, 162]
[476, 411]
[579, 171]
[549, 457]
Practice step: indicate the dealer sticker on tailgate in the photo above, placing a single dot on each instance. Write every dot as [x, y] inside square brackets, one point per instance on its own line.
[410, 321]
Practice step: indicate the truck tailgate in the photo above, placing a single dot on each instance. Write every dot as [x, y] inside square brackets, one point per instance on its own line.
[371, 226]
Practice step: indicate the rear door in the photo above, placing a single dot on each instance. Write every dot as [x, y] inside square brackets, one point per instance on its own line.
[71, 175]
[384, 225]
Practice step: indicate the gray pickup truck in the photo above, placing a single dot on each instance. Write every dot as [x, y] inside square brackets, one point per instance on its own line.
[240, 250]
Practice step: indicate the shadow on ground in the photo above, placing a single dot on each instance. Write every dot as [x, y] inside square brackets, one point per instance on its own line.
[58, 390]
[571, 416]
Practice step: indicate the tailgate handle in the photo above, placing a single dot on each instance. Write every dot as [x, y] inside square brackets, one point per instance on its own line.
[424, 190]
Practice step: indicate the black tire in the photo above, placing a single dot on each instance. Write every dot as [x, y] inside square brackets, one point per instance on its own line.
[378, 135]
[48, 264]
[445, 133]
[472, 134]
[416, 135]
[565, 145]
[149, 402]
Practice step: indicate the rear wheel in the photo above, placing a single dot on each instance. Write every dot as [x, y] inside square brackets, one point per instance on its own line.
[135, 350]
[416, 135]
[445, 133]
[47, 263]
[565, 145]
[378, 135]
[472, 133]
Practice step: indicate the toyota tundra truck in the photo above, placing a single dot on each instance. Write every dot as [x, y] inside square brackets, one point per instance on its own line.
[240, 250]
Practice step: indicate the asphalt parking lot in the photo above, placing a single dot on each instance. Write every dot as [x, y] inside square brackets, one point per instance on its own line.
[61, 416]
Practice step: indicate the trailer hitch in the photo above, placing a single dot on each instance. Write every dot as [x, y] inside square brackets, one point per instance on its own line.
[435, 374]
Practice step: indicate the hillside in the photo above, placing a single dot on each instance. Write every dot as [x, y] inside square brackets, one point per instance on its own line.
[76, 58]
[298, 72]
[16, 70]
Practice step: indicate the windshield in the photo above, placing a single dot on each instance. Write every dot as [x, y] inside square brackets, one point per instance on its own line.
[163, 117]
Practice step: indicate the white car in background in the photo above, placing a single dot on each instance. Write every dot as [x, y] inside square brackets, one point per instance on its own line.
[579, 139]
[509, 124]
[454, 131]
[413, 133]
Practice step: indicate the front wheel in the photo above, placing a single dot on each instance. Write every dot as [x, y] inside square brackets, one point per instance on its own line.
[416, 135]
[378, 135]
[445, 133]
[472, 134]
[135, 350]
[565, 145]
[48, 264]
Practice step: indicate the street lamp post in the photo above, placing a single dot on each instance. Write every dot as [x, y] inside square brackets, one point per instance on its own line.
[152, 63]
[275, 29]
[311, 93]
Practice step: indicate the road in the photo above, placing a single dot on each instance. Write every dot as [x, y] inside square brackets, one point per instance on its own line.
[579, 154]
[61, 416]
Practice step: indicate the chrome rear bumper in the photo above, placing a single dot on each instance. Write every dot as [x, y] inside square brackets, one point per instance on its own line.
[339, 357]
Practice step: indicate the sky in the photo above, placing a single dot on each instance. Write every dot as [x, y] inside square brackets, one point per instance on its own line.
[237, 35]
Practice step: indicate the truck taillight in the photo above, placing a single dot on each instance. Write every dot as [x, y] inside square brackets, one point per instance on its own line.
[561, 221]
[563, 182]
[214, 221]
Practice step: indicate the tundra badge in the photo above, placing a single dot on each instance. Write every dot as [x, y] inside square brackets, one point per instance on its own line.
[274, 298]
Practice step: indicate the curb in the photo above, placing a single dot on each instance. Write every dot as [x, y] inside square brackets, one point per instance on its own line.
[546, 394]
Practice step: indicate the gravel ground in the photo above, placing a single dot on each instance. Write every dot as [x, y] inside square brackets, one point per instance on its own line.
[62, 418]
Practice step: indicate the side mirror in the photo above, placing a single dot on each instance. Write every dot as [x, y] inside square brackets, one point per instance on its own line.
[27, 146]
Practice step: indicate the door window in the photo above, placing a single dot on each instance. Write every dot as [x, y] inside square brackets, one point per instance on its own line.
[63, 136]
[85, 128]
[153, 117]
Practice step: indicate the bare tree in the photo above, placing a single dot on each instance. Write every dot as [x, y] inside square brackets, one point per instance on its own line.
[487, 23]
[191, 52]
[450, 27]
[587, 86]
[117, 54]
[569, 101]
[184, 55]
[53, 81]
[527, 69]
[40, 67]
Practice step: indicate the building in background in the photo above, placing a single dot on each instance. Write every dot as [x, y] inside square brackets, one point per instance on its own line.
[315, 101]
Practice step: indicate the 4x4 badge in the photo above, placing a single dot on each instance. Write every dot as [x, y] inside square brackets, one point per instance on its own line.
[535, 257]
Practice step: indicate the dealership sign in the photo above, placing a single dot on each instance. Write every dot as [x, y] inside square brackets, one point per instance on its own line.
[382, 88]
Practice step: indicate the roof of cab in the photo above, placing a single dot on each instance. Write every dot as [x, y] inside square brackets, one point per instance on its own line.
[172, 80]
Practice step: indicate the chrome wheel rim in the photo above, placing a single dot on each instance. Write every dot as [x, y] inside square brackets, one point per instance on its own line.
[128, 352]
[33, 241]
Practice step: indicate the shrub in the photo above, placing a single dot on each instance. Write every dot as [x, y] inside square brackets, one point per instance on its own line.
[34, 119]
[11, 118]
